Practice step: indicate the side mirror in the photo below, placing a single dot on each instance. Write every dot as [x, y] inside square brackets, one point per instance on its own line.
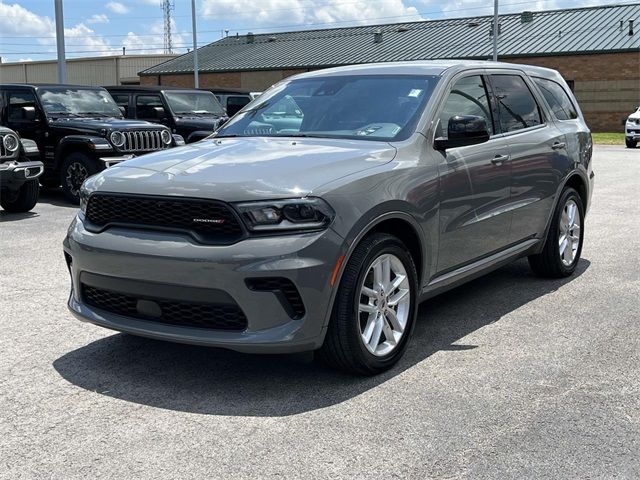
[160, 113]
[123, 110]
[463, 130]
[29, 113]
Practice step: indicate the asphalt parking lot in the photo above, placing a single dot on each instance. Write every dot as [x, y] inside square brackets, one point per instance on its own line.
[510, 376]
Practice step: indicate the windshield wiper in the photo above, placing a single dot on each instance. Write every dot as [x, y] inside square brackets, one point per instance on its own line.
[63, 114]
[95, 114]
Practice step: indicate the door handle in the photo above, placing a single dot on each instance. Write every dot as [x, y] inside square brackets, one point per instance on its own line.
[558, 145]
[500, 159]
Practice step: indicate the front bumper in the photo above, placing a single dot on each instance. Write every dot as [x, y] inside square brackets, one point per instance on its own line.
[16, 173]
[179, 267]
[632, 131]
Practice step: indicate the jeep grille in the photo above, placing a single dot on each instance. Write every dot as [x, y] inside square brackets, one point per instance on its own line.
[143, 141]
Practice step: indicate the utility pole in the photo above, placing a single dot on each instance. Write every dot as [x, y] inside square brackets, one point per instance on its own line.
[196, 83]
[495, 30]
[62, 67]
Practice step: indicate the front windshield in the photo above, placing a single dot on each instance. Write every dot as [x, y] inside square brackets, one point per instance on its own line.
[84, 102]
[367, 107]
[183, 103]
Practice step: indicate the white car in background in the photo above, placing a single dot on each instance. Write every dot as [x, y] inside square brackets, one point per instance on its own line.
[632, 129]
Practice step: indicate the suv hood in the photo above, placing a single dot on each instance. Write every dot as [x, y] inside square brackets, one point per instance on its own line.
[239, 169]
[96, 124]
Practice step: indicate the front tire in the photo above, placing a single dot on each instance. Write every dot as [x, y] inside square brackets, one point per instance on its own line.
[76, 168]
[375, 308]
[630, 143]
[563, 245]
[24, 200]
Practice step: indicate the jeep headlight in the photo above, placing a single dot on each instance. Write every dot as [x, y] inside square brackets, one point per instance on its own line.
[117, 138]
[11, 142]
[294, 214]
[166, 137]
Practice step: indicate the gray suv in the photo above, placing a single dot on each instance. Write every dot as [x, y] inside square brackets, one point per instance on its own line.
[325, 229]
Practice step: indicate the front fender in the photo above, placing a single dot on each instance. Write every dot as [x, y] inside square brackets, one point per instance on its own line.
[95, 144]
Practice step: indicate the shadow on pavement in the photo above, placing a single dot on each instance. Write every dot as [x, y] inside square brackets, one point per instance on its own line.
[219, 382]
[54, 196]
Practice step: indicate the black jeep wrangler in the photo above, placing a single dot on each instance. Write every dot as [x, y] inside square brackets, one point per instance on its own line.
[19, 172]
[79, 131]
[193, 114]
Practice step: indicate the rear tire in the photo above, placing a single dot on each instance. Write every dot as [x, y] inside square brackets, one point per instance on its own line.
[385, 315]
[76, 168]
[563, 245]
[24, 200]
[630, 143]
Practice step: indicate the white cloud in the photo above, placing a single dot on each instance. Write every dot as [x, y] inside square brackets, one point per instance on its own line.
[139, 44]
[117, 7]
[17, 20]
[98, 18]
[297, 12]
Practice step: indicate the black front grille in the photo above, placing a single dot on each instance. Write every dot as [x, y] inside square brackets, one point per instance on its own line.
[3, 151]
[143, 141]
[172, 312]
[208, 221]
[285, 291]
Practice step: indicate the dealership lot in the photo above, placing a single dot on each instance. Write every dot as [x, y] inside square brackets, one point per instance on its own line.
[508, 376]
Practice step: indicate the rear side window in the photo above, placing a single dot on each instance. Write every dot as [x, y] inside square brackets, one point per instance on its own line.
[557, 99]
[17, 100]
[517, 106]
[467, 97]
[234, 104]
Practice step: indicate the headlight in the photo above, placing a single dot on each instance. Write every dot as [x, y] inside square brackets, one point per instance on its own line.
[11, 142]
[166, 136]
[282, 215]
[84, 198]
[117, 138]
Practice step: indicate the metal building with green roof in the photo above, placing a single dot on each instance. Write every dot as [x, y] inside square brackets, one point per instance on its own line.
[597, 50]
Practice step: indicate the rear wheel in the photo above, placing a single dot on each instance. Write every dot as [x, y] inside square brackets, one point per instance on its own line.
[76, 168]
[374, 309]
[23, 200]
[563, 245]
[630, 143]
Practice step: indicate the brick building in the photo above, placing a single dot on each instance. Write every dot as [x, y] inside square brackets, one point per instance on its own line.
[596, 49]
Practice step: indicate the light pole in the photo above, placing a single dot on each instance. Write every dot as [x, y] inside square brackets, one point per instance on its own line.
[62, 67]
[196, 83]
[495, 30]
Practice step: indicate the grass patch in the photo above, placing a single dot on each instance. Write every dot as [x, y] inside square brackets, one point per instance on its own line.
[608, 138]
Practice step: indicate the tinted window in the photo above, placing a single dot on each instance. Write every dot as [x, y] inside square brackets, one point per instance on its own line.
[467, 97]
[193, 102]
[518, 108]
[234, 104]
[557, 99]
[363, 107]
[150, 107]
[17, 100]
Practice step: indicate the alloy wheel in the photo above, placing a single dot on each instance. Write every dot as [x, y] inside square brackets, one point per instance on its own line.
[569, 233]
[76, 175]
[384, 305]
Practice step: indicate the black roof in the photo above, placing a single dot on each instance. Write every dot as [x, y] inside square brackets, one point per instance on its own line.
[147, 88]
[46, 85]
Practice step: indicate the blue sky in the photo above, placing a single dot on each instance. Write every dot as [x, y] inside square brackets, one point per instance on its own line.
[27, 27]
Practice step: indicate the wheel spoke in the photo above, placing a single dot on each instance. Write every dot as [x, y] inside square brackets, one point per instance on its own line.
[368, 329]
[388, 332]
[369, 292]
[395, 299]
[394, 321]
[378, 274]
[374, 341]
[563, 244]
[397, 282]
[572, 214]
[365, 307]
[386, 272]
